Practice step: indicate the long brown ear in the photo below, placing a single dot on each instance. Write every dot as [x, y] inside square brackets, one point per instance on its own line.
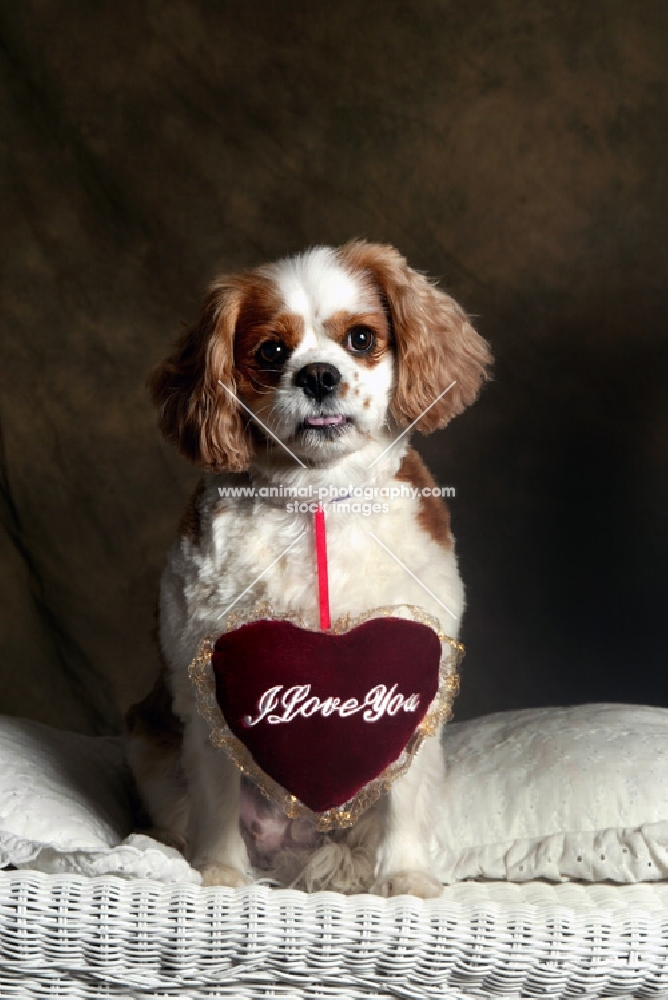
[196, 413]
[435, 343]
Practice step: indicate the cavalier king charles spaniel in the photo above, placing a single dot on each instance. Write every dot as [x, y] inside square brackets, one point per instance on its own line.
[334, 354]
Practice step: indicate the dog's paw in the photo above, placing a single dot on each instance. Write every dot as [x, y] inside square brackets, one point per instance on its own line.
[408, 883]
[216, 874]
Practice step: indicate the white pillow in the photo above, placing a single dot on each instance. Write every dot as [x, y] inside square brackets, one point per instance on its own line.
[557, 793]
[560, 793]
[65, 806]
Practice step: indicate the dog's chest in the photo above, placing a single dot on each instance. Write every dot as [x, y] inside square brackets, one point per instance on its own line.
[269, 551]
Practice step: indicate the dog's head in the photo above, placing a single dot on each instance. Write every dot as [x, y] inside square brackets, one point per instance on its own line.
[326, 350]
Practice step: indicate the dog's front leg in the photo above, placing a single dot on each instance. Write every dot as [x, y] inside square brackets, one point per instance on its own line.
[217, 849]
[404, 857]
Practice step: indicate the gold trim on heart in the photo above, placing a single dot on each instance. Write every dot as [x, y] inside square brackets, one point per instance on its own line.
[202, 676]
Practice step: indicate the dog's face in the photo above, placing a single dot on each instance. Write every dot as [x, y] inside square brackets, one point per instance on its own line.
[313, 355]
[327, 351]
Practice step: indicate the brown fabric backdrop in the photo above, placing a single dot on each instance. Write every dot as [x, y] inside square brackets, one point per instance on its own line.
[516, 149]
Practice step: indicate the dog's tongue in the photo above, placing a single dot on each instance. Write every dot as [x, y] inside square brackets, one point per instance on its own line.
[331, 421]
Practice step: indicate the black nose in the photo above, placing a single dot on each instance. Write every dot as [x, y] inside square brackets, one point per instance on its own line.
[318, 380]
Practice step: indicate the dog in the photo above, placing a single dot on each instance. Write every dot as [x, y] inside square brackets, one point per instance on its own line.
[310, 371]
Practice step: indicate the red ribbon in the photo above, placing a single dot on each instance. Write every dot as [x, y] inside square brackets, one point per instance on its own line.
[321, 561]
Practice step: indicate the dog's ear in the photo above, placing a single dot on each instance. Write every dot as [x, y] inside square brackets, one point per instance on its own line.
[197, 413]
[434, 340]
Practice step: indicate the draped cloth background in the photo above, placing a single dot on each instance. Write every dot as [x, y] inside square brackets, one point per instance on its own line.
[515, 149]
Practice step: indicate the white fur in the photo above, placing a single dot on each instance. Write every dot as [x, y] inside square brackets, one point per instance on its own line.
[242, 536]
[315, 286]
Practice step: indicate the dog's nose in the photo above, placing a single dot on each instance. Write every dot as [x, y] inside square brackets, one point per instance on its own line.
[318, 380]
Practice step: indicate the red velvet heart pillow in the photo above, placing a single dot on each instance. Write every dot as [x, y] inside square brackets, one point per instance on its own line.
[324, 714]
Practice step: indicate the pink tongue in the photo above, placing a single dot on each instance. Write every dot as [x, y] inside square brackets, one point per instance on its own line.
[325, 421]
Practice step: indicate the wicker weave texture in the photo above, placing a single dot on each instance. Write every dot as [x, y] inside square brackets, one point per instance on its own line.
[76, 937]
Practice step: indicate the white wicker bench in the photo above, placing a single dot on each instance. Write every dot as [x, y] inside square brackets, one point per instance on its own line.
[68, 936]
[547, 794]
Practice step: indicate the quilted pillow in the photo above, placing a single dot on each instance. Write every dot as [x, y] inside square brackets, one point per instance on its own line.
[65, 806]
[557, 793]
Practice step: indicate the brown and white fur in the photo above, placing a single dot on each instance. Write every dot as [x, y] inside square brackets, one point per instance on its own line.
[390, 343]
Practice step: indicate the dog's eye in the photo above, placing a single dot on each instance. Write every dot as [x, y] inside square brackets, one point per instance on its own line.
[272, 354]
[361, 339]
